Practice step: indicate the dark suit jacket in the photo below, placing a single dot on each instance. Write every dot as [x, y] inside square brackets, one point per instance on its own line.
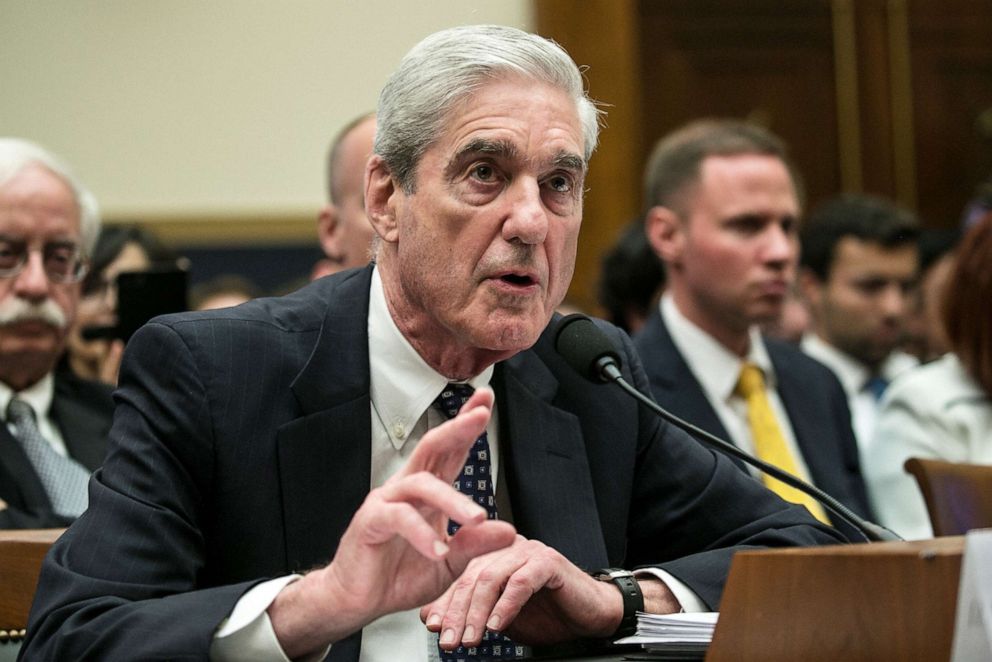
[240, 450]
[82, 410]
[811, 394]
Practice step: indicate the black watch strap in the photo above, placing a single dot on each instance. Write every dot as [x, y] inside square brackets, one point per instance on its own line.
[633, 599]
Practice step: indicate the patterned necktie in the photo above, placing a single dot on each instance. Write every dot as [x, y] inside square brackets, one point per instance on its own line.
[769, 444]
[475, 481]
[64, 479]
[876, 386]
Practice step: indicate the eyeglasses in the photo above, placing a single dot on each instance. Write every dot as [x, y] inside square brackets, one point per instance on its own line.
[62, 261]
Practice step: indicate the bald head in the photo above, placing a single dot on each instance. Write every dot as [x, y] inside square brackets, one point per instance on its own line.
[344, 230]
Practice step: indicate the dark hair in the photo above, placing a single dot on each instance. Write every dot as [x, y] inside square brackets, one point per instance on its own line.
[631, 276]
[935, 243]
[967, 313]
[676, 159]
[111, 243]
[865, 217]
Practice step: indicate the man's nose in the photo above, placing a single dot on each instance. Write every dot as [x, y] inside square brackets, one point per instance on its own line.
[32, 282]
[894, 300]
[780, 246]
[526, 219]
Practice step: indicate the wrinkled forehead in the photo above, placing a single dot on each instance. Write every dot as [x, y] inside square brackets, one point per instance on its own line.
[36, 201]
[516, 118]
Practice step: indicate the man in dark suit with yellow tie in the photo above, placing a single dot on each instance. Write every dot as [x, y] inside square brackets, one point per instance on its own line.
[280, 479]
[56, 424]
[724, 214]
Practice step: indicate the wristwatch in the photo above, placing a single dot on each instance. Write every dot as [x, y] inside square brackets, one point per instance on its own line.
[633, 599]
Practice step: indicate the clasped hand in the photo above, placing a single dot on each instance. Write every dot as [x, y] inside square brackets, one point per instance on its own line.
[528, 591]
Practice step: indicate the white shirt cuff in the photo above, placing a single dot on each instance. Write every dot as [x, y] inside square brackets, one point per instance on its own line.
[691, 603]
[247, 633]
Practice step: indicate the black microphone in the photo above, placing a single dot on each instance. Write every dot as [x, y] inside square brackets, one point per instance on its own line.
[589, 351]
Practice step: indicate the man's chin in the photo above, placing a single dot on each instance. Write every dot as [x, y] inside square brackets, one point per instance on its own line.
[512, 333]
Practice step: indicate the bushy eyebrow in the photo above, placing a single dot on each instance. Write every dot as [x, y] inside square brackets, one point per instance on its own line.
[504, 149]
[570, 161]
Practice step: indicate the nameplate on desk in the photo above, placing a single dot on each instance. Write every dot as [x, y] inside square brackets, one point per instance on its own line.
[973, 624]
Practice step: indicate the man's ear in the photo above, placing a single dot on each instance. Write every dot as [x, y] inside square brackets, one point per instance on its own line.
[665, 233]
[329, 232]
[381, 198]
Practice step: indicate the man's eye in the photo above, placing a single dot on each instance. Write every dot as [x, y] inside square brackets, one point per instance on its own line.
[560, 184]
[870, 286]
[747, 225]
[483, 172]
[10, 254]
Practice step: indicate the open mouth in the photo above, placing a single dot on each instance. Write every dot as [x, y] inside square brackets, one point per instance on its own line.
[517, 279]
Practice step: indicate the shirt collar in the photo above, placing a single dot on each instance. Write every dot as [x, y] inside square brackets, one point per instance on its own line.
[714, 366]
[39, 395]
[852, 373]
[403, 386]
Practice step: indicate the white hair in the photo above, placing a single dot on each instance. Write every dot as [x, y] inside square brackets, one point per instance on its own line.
[17, 154]
[451, 64]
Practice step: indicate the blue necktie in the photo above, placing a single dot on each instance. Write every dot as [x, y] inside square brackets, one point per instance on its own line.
[876, 386]
[475, 481]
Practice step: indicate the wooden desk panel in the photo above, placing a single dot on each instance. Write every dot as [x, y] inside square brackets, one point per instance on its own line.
[21, 553]
[879, 601]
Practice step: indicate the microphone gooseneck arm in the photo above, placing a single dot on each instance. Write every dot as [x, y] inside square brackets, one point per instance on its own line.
[589, 351]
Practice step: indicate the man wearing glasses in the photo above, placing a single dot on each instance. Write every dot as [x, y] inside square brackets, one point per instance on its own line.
[55, 424]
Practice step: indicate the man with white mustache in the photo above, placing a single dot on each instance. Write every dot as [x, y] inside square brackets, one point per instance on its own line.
[56, 424]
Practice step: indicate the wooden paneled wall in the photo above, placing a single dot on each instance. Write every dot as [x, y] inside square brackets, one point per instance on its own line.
[892, 97]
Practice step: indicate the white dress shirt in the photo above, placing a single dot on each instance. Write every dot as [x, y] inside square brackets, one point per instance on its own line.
[853, 376]
[936, 411]
[717, 370]
[39, 396]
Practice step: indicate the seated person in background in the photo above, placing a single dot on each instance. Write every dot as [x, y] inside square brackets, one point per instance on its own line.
[941, 410]
[343, 228]
[298, 435]
[55, 424]
[118, 249]
[631, 279]
[222, 292]
[859, 267]
[925, 336]
[725, 221]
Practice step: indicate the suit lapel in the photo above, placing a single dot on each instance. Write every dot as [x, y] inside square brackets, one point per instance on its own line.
[805, 415]
[83, 428]
[544, 449]
[674, 386]
[325, 454]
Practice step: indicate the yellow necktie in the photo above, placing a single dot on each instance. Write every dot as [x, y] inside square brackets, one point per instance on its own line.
[769, 444]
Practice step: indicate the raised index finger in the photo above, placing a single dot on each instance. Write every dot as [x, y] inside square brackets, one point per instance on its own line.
[442, 450]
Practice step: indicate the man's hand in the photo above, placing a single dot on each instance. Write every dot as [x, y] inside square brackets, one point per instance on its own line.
[396, 553]
[528, 591]
[534, 595]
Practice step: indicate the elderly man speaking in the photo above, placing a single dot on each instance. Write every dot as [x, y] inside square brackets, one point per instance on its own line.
[393, 463]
